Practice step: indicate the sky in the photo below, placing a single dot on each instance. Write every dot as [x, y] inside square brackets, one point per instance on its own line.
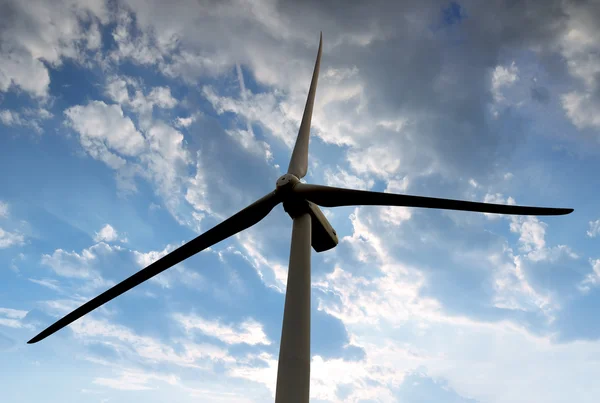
[128, 127]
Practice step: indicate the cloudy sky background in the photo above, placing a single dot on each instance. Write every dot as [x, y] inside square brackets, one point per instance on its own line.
[128, 127]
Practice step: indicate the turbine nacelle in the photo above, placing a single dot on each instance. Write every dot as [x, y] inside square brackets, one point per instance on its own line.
[323, 236]
[285, 184]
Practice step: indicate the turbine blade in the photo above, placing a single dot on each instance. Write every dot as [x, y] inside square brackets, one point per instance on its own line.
[335, 197]
[299, 161]
[236, 223]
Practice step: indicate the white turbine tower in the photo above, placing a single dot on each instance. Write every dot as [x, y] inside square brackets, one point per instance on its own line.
[310, 228]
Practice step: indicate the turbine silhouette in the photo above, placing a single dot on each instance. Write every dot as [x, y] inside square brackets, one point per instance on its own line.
[310, 228]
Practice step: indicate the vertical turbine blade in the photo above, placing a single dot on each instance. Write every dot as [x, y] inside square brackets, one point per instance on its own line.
[293, 370]
[299, 161]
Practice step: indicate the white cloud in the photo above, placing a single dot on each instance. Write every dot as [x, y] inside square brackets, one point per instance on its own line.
[116, 89]
[196, 188]
[136, 348]
[10, 118]
[106, 234]
[379, 160]
[82, 266]
[8, 239]
[12, 313]
[102, 128]
[248, 332]
[532, 233]
[341, 178]
[263, 108]
[503, 77]
[579, 44]
[468, 347]
[496, 198]
[135, 380]
[29, 118]
[594, 229]
[13, 262]
[139, 48]
[401, 329]
[396, 215]
[161, 97]
[3, 209]
[129, 92]
[12, 318]
[271, 271]
[47, 282]
[159, 155]
[513, 290]
[593, 278]
[186, 122]
[582, 109]
[48, 32]
[17, 68]
[175, 275]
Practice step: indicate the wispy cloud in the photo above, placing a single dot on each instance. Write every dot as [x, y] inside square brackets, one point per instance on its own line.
[248, 332]
[594, 229]
[8, 239]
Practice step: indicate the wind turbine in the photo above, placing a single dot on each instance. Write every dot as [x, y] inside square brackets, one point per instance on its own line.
[310, 228]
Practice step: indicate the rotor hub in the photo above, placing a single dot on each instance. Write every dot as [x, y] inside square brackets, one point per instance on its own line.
[286, 182]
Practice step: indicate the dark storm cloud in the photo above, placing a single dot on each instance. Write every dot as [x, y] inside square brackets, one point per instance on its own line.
[434, 69]
[426, 61]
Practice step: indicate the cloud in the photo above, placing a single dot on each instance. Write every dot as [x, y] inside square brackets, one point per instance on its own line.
[146, 349]
[135, 380]
[261, 108]
[8, 239]
[48, 33]
[3, 209]
[157, 153]
[497, 198]
[582, 109]
[532, 239]
[28, 118]
[342, 178]
[401, 98]
[593, 278]
[503, 77]
[119, 88]
[594, 229]
[248, 332]
[140, 48]
[103, 128]
[513, 289]
[107, 234]
[186, 122]
[176, 275]
[81, 266]
[14, 260]
[13, 318]
[47, 282]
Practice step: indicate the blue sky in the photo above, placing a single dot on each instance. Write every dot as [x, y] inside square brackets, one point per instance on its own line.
[129, 127]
